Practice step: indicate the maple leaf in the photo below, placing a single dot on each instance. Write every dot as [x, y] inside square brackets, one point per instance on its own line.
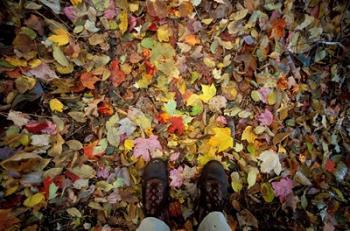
[177, 125]
[283, 188]
[88, 80]
[278, 26]
[266, 118]
[270, 161]
[145, 147]
[222, 139]
[208, 92]
[95, 149]
[176, 178]
[117, 75]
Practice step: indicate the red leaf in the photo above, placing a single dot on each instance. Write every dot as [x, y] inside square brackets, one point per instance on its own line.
[150, 68]
[117, 75]
[105, 109]
[177, 125]
[58, 180]
[46, 127]
[330, 166]
[71, 176]
[46, 186]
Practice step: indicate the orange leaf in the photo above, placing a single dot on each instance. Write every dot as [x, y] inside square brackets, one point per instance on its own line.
[191, 39]
[163, 117]
[278, 26]
[88, 80]
[117, 75]
[89, 150]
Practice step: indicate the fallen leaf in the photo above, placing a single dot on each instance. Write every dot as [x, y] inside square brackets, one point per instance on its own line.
[88, 80]
[270, 161]
[265, 118]
[56, 105]
[145, 147]
[208, 92]
[248, 135]
[60, 37]
[34, 200]
[283, 188]
[222, 139]
[177, 125]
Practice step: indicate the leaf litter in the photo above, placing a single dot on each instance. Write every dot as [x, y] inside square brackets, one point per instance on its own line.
[91, 90]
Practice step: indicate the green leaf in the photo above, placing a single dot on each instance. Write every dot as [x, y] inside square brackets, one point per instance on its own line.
[147, 43]
[52, 191]
[59, 56]
[267, 192]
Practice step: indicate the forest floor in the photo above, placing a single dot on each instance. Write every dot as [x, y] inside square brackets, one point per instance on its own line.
[91, 90]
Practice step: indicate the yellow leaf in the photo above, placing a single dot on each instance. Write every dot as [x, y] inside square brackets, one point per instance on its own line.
[163, 33]
[34, 63]
[17, 62]
[272, 98]
[208, 92]
[203, 159]
[34, 200]
[222, 140]
[248, 135]
[75, 2]
[123, 17]
[56, 105]
[128, 144]
[61, 37]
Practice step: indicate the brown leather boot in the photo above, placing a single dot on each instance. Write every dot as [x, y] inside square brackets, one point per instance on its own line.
[155, 190]
[213, 188]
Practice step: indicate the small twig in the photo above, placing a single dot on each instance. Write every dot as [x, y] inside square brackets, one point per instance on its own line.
[332, 43]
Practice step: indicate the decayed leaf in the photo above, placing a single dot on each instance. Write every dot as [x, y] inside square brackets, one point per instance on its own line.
[18, 118]
[270, 161]
[25, 162]
[74, 212]
[84, 171]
